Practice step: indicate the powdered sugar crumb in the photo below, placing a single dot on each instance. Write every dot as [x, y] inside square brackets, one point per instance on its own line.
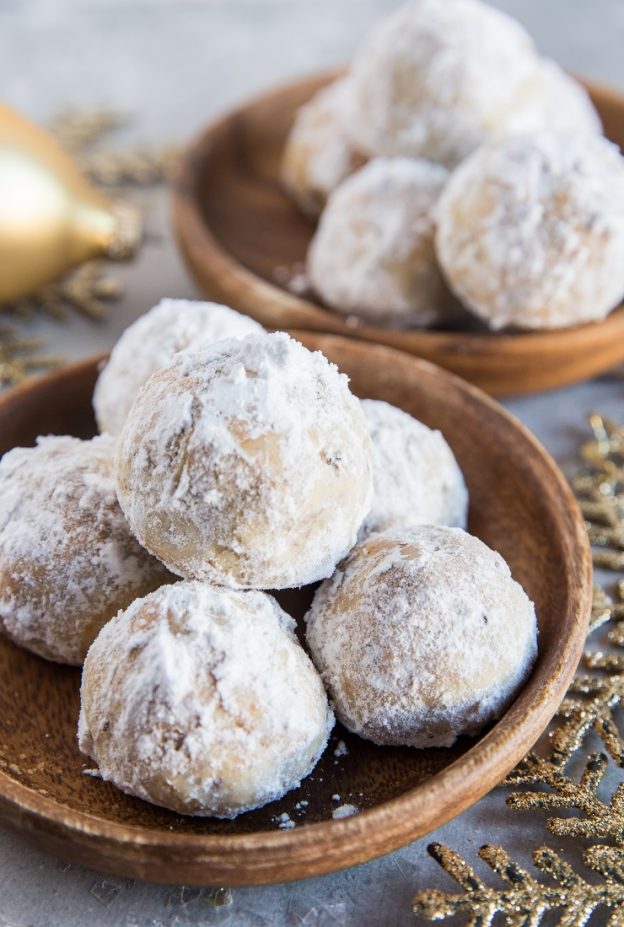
[341, 749]
[344, 811]
[284, 821]
[292, 278]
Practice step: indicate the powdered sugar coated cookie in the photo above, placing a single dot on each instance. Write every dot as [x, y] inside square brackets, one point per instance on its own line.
[199, 698]
[68, 560]
[319, 153]
[246, 463]
[373, 253]
[150, 343]
[421, 636]
[416, 479]
[437, 78]
[530, 230]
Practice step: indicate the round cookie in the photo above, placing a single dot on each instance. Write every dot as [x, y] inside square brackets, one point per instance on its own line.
[416, 479]
[246, 463]
[200, 699]
[421, 636]
[68, 560]
[373, 253]
[530, 230]
[319, 153]
[553, 100]
[437, 78]
[150, 343]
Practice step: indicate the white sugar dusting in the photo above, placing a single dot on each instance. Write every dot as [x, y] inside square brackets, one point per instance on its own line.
[151, 342]
[182, 701]
[437, 78]
[531, 230]
[319, 153]
[344, 811]
[247, 463]
[421, 636]
[416, 479]
[373, 253]
[553, 100]
[68, 560]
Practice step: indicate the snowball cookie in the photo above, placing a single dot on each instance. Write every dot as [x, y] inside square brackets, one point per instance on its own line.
[421, 636]
[150, 343]
[199, 698]
[436, 78]
[319, 153]
[373, 253]
[416, 479]
[68, 560]
[247, 463]
[553, 100]
[531, 230]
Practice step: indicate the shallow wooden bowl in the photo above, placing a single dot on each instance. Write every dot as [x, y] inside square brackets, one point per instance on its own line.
[520, 504]
[237, 229]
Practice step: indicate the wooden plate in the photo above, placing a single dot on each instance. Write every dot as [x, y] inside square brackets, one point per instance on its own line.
[520, 504]
[236, 229]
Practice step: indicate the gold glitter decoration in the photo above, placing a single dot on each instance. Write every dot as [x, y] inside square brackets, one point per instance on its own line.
[18, 357]
[600, 491]
[80, 131]
[523, 899]
[139, 167]
[77, 129]
[603, 609]
[590, 706]
[598, 820]
[86, 290]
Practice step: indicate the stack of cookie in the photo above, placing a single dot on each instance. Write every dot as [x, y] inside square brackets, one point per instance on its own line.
[487, 188]
[233, 462]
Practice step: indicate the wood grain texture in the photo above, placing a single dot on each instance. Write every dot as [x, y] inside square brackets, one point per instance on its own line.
[520, 505]
[236, 228]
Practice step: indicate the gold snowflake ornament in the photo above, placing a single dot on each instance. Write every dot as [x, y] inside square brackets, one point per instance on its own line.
[19, 357]
[523, 899]
[600, 491]
[590, 706]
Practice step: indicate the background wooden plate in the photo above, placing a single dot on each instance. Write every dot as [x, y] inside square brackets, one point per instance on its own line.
[520, 504]
[237, 231]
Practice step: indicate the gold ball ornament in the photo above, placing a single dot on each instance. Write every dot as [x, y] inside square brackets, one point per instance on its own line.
[51, 219]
